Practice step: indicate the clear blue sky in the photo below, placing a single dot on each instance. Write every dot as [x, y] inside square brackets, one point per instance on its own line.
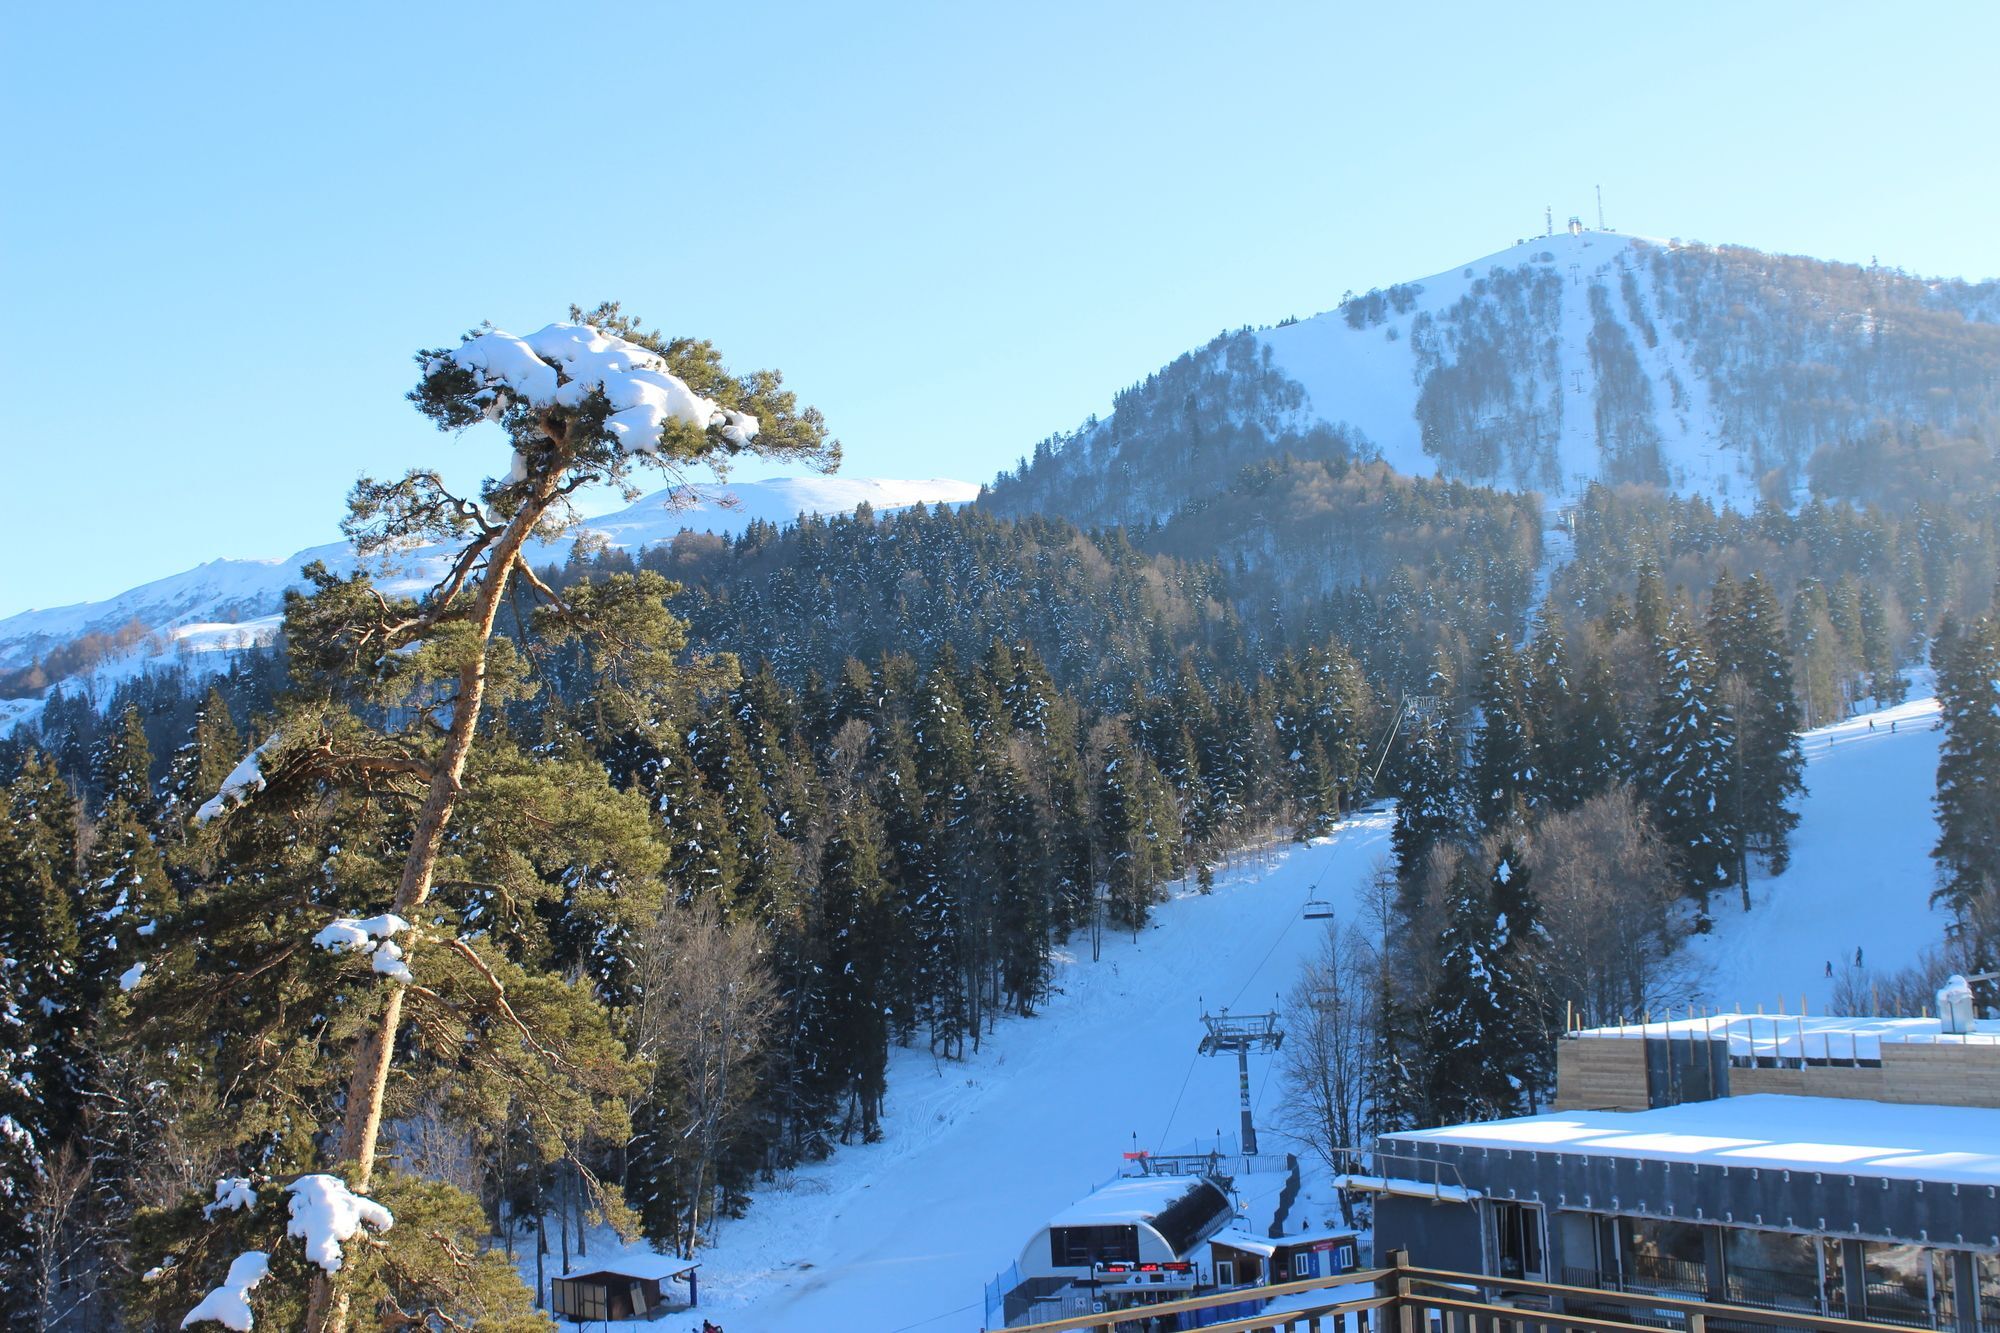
[956, 227]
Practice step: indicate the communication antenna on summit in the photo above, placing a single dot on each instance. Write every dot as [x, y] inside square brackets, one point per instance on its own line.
[1548, 219]
[1600, 208]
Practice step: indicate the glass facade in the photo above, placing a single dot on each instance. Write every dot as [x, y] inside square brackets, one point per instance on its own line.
[1776, 1268]
[1080, 1247]
[1662, 1256]
[1912, 1285]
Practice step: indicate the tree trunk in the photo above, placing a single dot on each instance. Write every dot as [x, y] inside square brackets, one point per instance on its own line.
[327, 1312]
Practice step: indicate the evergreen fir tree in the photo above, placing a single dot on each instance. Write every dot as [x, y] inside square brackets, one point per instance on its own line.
[1689, 766]
[1468, 1060]
[1968, 776]
[1755, 675]
[1431, 805]
[1503, 750]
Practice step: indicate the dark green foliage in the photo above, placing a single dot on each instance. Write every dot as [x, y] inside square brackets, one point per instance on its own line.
[1968, 779]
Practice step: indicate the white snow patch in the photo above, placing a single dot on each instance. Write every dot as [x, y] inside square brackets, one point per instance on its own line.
[229, 1304]
[231, 1193]
[325, 1213]
[131, 976]
[563, 364]
[374, 935]
[244, 781]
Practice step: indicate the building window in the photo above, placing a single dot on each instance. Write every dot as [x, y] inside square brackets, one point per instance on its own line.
[1779, 1269]
[1663, 1256]
[1519, 1239]
[1225, 1272]
[1898, 1281]
[1080, 1247]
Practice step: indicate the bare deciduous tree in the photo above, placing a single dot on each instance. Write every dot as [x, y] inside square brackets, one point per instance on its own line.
[1329, 1034]
[708, 1006]
[1608, 899]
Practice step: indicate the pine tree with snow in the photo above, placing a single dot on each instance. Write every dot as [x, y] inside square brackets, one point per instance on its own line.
[393, 707]
[21, 1163]
[1139, 832]
[1468, 1059]
[1689, 765]
[1755, 675]
[856, 899]
[1503, 747]
[1968, 776]
[1431, 803]
[1520, 941]
[200, 766]
[952, 878]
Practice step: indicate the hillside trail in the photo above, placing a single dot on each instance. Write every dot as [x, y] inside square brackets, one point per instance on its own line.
[1558, 549]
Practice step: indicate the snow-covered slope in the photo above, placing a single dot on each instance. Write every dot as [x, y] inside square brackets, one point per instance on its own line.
[232, 603]
[977, 1155]
[901, 1234]
[1370, 378]
[1861, 874]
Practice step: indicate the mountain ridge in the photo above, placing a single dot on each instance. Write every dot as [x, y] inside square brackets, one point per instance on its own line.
[231, 603]
[1556, 362]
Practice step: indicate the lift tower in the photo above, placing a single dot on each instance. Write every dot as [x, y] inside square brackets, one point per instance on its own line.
[1242, 1033]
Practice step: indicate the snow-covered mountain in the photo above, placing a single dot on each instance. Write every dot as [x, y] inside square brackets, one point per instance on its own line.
[1548, 365]
[234, 603]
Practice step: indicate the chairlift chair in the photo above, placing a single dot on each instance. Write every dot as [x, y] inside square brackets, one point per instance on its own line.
[1318, 909]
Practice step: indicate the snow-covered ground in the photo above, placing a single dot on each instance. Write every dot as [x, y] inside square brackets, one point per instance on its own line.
[902, 1234]
[1861, 874]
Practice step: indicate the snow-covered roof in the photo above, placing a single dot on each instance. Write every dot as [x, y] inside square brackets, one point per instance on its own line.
[1236, 1238]
[642, 1264]
[1796, 1035]
[1946, 1144]
[1130, 1199]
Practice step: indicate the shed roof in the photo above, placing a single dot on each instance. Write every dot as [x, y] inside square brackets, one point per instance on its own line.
[1945, 1144]
[637, 1264]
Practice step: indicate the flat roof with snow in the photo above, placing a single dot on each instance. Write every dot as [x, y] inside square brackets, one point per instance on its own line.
[1795, 1036]
[1946, 1144]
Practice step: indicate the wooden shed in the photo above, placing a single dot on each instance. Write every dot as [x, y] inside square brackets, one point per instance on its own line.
[1242, 1259]
[630, 1286]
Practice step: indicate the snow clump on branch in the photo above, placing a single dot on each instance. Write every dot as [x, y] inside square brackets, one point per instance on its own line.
[244, 781]
[229, 1304]
[374, 936]
[231, 1193]
[325, 1213]
[563, 364]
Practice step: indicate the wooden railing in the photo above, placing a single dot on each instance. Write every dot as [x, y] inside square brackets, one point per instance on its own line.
[1400, 1298]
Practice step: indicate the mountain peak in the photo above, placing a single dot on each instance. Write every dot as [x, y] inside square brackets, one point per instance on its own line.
[1549, 365]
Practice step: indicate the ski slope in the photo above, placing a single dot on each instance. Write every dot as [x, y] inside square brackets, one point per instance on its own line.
[902, 1234]
[1861, 874]
[1368, 380]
